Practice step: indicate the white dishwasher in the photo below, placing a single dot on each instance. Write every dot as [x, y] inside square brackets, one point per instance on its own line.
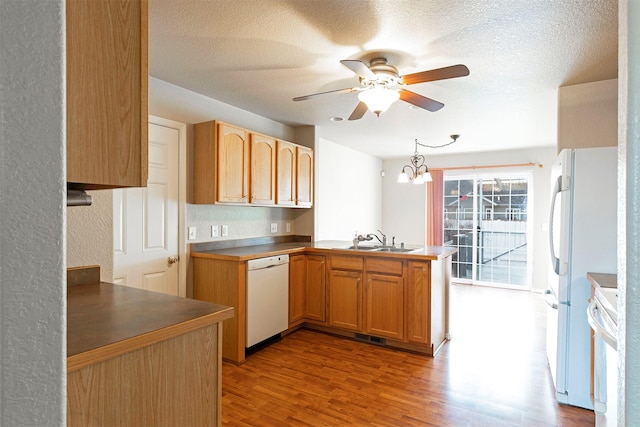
[267, 298]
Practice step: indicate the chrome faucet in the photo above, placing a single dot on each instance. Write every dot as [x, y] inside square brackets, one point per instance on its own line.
[384, 237]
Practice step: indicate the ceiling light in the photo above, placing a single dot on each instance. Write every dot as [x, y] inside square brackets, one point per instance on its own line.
[418, 172]
[336, 118]
[378, 98]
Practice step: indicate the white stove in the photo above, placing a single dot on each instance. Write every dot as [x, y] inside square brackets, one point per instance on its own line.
[603, 318]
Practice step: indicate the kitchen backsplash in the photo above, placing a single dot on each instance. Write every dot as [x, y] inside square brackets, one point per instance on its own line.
[241, 221]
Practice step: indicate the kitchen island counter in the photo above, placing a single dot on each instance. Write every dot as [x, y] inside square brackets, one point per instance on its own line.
[245, 253]
[398, 299]
[136, 357]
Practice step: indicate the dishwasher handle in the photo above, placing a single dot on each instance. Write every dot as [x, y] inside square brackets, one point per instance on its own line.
[594, 319]
[268, 262]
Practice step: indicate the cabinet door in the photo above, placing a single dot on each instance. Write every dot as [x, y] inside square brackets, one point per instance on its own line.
[263, 170]
[232, 164]
[345, 299]
[304, 177]
[315, 290]
[384, 306]
[418, 297]
[107, 86]
[297, 279]
[286, 167]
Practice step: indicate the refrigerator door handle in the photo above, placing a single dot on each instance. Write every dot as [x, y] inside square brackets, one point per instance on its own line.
[550, 299]
[557, 188]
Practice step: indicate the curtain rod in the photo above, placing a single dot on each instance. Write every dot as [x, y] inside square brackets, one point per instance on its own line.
[513, 165]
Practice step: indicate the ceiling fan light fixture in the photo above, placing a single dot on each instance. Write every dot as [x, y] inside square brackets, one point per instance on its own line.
[379, 98]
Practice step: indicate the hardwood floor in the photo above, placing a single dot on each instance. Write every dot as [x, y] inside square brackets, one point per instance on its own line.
[493, 373]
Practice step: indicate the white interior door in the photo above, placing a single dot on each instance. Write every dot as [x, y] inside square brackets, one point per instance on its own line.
[145, 220]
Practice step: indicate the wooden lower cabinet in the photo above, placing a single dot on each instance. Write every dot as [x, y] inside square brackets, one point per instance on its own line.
[307, 289]
[418, 302]
[175, 382]
[297, 284]
[345, 299]
[384, 306]
[315, 291]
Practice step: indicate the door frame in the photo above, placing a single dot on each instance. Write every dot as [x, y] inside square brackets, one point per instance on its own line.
[183, 252]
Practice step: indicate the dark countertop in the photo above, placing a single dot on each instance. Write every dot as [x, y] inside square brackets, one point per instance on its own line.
[337, 247]
[604, 280]
[105, 320]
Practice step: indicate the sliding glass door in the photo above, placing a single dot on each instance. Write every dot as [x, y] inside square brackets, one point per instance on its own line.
[485, 217]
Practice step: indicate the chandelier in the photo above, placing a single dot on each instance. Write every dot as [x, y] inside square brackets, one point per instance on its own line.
[418, 172]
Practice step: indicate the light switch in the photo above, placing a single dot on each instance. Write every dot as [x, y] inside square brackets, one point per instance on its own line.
[214, 231]
[192, 233]
[288, 227]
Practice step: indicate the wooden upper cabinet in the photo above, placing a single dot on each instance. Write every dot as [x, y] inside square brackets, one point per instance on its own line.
[263, 170]
[286, 168]
[304, 177]
[236, 166]
[232, 164]
[107, 93]
[220, 163]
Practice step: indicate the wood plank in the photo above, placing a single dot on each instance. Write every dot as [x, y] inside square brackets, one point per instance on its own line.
[171, 383]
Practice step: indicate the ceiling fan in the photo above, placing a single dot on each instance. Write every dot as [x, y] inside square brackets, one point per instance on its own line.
[381, 85]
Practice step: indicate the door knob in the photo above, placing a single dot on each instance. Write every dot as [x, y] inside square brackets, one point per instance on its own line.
[173, 259]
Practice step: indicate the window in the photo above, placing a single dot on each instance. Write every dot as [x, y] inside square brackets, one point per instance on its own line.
[485, 218]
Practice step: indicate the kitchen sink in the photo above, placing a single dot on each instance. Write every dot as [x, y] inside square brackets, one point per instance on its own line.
[396, 250]
[362, 248]
[379, 249]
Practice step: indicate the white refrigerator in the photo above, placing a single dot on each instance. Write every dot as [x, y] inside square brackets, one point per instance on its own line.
[582, 238]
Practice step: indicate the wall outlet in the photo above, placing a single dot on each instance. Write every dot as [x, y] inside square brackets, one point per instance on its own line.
[288, 227]
[274, 227]
[192, 233]
[225, 230]
[214, 231]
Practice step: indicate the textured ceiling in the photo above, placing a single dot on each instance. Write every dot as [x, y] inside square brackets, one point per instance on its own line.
[259, 54]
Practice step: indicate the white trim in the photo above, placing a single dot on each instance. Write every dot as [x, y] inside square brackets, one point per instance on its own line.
[183, 252]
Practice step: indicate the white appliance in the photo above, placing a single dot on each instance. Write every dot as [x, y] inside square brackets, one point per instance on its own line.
[267, 298]
[603, 318]
[582, 238]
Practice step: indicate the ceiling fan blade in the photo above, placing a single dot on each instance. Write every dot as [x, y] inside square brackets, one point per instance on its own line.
[345, 90]
[357, 114]
[359, 67]
[420, 101]
[437, 74]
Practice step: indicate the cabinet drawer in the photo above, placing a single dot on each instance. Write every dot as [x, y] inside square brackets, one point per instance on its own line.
[347, 263]
[381, 265]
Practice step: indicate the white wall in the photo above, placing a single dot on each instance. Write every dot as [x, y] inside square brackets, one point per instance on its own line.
[405, 204]
[348, 192]
[32, 258]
